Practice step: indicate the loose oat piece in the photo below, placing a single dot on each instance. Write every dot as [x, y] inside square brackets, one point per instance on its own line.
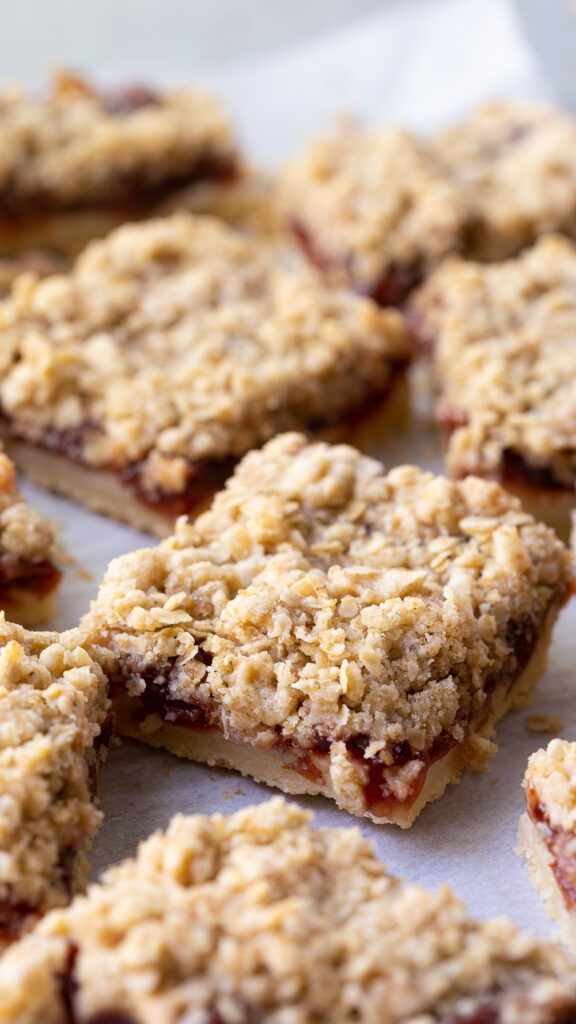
[373, 209]
[548, 831]
[81, 160]
[516, 164]
[135, 382]
[29, 580]
[504, 343]
[328, 627]
[53, 714]
[258, 916]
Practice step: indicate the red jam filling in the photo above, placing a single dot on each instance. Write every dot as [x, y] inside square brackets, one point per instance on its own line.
[41, 577]
[558, 842]
[391, 288]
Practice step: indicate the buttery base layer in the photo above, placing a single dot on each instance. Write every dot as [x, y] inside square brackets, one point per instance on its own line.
[26, 607]
[270, 767]
[66, 233]
[104, 491]
[539, 863]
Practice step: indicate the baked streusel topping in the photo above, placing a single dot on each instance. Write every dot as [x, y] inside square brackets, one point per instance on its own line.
[372, 202]
[24, 535]
[176, 340]
[260, 916]
[505, 349]
[53, 705]
[516, 162]
[322, 599]
[551, 775]
[80, 147]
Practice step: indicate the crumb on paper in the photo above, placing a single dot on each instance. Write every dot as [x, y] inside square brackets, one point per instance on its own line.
[84, 574]
[544, 723]
[226, 795]
[494, 780]
[238, 792]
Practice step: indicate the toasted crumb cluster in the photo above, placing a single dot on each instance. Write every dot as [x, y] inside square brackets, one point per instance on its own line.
[24, 536]
[322, 599]
[78, 147]
[372, 202]
[516, 163]
[177, 340]
[260, 916]
[53, 705]
[551, 776]
[505, 349]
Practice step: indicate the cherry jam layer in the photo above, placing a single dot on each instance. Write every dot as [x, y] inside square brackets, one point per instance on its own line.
[561, 845]
[391, 288]
[40, 577]
[382, 785]
[127, 194]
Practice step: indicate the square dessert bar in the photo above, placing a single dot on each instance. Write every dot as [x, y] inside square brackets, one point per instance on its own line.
[373, 209]
[504, 344]
[136, 382]
[260, 917]
[516, 164]
[29, 580]
[330, 627]
[81, 160]
[548, 831]
[53, 735]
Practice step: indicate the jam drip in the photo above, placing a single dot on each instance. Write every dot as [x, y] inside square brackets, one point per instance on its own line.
[390, 288]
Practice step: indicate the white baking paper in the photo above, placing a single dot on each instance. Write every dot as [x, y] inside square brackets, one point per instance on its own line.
[420, 62]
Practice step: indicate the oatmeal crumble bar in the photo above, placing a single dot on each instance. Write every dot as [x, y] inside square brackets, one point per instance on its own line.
[258, 916]
[516, 164]
[504, 343]
[53, 715]
[373, 209]
[80, 160]
[548, 831]
[29, 580]
[135, 382]
[330, 627]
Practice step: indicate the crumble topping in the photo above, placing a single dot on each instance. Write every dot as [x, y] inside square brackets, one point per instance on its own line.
[79, 147]
[551, 775]
[505, 350]
[372, 201]
[24, 535]
[321, 598]
[516, 163]
[260, 916]
[53, 705]
[176, 340]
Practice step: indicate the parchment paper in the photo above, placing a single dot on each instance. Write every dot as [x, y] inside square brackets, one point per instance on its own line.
[421, 63]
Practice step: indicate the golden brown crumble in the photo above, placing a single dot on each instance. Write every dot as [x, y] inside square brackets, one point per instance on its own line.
[551, 775]
[371, 202]
[322, 598]
[178, 340]
[516, 163]
[505, 350]
[53, 706]
[24, 536]
[80, 147]
[259, 916]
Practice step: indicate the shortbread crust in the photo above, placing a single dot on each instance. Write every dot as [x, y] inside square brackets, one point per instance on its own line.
[516, 163]
[258, 916]
[29, 579]
[337, 616]
[503, 339]
[175, 346]
[53, 734]
[373, 209]
[79, 161]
